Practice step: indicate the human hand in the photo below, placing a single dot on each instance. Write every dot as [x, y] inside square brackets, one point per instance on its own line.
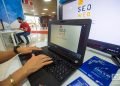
[25, 50]
[36, 63]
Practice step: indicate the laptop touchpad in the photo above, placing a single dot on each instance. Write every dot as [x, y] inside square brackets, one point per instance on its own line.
[43, 78]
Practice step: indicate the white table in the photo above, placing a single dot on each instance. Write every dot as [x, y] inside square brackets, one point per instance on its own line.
[90, 53]
[15, 64]
[6, 40]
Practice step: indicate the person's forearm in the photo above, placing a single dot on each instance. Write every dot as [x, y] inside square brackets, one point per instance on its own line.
[23, 29]
[6, 55]
[17, 76]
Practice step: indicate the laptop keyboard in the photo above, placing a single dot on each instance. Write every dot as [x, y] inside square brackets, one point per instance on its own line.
[60, 69]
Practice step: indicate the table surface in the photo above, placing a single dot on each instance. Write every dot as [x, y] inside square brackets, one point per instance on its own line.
[10, 31]
[14, 64]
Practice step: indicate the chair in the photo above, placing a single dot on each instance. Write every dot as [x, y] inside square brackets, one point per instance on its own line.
[15, 39]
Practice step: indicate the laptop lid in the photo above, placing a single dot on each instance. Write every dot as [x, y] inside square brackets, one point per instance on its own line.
[69, 38]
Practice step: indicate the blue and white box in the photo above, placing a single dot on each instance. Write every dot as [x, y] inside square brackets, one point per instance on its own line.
[99, 70]
[79, 82]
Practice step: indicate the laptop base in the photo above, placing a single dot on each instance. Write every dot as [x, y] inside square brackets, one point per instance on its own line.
[45, 76]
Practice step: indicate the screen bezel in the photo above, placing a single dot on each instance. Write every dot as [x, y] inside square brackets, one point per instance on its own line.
[68, 1]
[105, 47]
[61, 9]
[85, 23]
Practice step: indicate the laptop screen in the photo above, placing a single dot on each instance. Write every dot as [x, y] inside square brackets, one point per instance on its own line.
[66, 36]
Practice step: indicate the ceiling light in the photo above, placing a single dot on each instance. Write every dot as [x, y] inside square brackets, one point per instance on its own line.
[45, 9]
[53, 12]
[42, 13]
[47, 0]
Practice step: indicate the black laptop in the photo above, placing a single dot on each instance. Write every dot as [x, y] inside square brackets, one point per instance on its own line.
[67, 40]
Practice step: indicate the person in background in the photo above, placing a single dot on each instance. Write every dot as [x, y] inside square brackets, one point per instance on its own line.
[32, 65]
[24, 26]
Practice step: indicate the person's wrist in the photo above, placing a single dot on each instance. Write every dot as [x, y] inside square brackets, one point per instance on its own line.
[26, 71]
[28, 68]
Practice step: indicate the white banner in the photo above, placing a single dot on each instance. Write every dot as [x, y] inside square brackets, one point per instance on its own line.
[105, 15]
